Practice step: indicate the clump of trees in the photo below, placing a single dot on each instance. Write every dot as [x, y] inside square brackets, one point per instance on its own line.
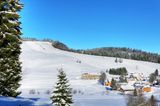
[120, 53]
[60, 45]
[119, 71]
[141, 101]
[126, 53]
[62, 94]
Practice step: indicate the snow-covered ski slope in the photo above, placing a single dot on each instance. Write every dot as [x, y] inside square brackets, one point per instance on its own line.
[40, 62]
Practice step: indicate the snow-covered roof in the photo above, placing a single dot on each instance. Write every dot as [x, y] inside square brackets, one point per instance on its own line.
[127, 87]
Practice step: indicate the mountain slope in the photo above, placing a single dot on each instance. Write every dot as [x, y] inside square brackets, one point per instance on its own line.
[40, 62]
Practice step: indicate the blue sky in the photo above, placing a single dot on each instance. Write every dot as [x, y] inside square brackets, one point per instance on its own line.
[83, 24]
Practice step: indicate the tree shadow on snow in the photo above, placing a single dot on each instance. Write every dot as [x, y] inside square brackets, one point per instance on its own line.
[8, 101]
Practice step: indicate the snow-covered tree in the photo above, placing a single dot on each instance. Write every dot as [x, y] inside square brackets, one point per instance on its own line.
[10, 31]
[62, 94]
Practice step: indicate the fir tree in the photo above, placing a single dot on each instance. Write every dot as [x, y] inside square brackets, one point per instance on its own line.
[10, 69]
[156, 72]
[113, 84]
[116, 60]
[152, 101]
[135, 92]
[62, 94]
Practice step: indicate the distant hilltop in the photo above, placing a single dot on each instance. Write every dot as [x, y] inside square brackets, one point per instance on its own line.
[118, 52]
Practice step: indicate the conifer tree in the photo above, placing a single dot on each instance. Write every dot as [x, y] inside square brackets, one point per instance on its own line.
[62, 94]
[116, 60]
[156, 72]
[135, 92]
[113, 84]
[152, 101]
[10, 31]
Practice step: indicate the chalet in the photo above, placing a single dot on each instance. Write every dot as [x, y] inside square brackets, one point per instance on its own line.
[146, 89]
[127, 87]
[90, 76]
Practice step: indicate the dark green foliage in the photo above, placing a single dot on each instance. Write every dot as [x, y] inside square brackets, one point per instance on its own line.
[60, 45]
[156, 72]
[126, 53]
[159, 60]
[119, 71]
[152, 101]
[116, 60]
[135, 92]
[113, 84]
[102, 78]
[62, 94]
[10, 69]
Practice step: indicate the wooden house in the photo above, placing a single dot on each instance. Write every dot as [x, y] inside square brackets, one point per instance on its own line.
[90, 76]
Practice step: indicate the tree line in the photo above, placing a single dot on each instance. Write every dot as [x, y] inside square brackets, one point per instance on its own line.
[126, 53]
